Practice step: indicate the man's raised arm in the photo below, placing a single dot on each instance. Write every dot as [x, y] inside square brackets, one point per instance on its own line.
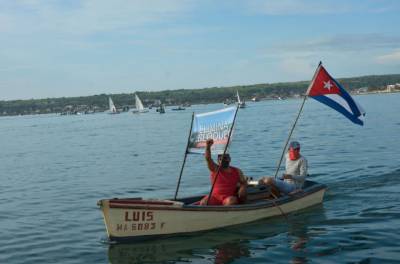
[210, 163]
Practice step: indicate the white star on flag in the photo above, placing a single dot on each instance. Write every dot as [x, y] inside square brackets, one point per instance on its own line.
[328, 85]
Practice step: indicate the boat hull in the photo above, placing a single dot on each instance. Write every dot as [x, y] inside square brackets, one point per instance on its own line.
[136, 219]
[139, 111]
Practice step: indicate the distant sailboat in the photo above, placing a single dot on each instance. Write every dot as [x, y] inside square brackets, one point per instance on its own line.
[241, 104]
[139, 108]
[112, 108]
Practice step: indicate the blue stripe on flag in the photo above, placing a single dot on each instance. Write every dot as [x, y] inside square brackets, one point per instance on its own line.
[331, 103]
[346, 96]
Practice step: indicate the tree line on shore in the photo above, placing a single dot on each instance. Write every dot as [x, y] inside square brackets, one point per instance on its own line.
[97, 103]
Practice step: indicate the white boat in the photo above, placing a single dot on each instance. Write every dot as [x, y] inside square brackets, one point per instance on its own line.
[112, 108]
[135, 219]
[139, 108]
[241, 104]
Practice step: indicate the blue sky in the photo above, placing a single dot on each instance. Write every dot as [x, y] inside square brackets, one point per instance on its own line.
[55, 48]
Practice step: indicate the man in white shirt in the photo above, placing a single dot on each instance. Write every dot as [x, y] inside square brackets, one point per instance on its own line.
[295, 174]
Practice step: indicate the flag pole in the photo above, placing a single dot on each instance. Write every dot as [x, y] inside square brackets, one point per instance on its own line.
[184, 158]
[223, 155]
[295, 122]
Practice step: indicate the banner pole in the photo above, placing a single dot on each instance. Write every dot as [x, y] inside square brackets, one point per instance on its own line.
[226, 147]
[295, 122]
[184, 158]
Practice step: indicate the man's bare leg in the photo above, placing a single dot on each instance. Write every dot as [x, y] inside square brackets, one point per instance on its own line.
[274, 190]
[230, 200]
[204, 200]
[242, 194]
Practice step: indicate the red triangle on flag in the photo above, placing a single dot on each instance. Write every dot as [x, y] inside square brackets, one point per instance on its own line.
[323, 84]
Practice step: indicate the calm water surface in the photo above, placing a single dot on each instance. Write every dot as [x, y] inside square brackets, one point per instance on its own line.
[55, 168]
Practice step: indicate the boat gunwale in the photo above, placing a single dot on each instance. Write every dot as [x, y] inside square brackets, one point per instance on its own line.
[259, 204]
[143, 238]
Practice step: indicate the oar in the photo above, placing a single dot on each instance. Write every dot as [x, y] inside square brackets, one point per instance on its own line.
[280, 209]
[275, 204]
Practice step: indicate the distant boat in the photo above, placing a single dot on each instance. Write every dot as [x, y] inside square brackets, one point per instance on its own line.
[112, 109]
[227, 102]
[241, 104]
[179, 108]
[139, 108]
[255, 99]
[161, 109]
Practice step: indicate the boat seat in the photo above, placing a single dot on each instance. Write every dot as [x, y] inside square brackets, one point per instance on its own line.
[258, 192]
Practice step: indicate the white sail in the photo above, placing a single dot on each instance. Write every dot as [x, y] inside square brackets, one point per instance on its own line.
[241, 103]
[111, 105]
[139, 108]
[138, 104]
[238, 97]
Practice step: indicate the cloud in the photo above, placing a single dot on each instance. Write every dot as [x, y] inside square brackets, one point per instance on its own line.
[100, 16]
[312, 7]
[356, 53]
[292, 7]
[89, 16]
[298, 58]
[391, 58]
[297, 68]
[5, 23]
[344, 43]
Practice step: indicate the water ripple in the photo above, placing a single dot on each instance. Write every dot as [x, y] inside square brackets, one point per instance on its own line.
[55, 168]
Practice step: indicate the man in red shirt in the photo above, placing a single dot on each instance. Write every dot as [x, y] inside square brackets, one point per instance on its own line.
[230, 186]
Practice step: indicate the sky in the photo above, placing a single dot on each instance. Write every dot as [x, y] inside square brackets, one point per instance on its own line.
[63, 48]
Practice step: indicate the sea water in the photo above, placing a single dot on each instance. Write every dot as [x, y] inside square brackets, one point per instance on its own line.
[55, 168]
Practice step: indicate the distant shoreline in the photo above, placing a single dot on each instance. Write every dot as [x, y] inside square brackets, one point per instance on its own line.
[373, 84]
[377, 92]
[263, 99]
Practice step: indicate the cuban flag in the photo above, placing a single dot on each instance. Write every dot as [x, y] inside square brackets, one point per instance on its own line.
[327, 90]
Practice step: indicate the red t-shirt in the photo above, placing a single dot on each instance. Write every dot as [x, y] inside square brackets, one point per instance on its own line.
[225, 186]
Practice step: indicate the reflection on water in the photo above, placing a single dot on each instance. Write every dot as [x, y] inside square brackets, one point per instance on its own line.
[224, 245]
[226, 253]
[224, 249]
[298, 238]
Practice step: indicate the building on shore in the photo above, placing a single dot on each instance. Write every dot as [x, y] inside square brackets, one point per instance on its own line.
[392, 87]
